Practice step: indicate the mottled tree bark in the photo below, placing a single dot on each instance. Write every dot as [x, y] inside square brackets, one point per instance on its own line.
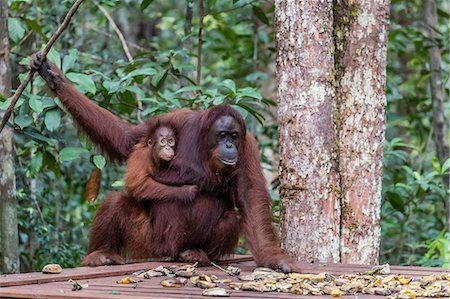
[309, 182]
[440, 124]
[9, 241]
[361, 31]
[331, 78]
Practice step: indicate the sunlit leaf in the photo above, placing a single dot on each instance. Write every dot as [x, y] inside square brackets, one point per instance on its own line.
[54, 56]
[140, 72]
[69, 60]
[228, 83]
[16, 29]
[111, 86]
[52, 119]
[72, 153]
[36, 104]
[188, 89]
[99, 161]
[84, 82]
[23, 121]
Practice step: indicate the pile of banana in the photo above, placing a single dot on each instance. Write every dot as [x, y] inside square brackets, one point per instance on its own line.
[377, 281]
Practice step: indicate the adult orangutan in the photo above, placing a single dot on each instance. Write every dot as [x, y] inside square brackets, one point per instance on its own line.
[215, 153]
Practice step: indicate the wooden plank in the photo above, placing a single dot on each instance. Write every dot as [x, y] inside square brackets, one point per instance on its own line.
[101, 288]
[75, 273]
[102, 280]
[92, 272]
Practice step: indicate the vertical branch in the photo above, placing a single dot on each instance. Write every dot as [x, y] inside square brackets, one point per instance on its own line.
[189, 14]
[9, 239]
[200, 40]
[440, 125]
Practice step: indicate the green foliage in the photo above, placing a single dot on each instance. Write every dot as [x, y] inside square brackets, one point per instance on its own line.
[53, 162]
[414, 196]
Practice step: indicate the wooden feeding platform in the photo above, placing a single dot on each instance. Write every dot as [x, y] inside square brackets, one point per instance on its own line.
[101, 282]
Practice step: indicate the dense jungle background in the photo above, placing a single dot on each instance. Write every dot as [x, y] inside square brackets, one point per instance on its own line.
[156, 69]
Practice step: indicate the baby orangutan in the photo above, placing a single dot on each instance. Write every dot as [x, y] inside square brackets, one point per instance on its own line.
[154, 152]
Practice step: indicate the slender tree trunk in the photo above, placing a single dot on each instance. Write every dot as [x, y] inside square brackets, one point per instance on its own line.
[361, 31]
[331, 100]
[309, 184]
[9, 241]
[440, 124]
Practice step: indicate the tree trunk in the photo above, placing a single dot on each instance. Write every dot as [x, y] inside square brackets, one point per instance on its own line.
[331, 75]
[440, 125]
[9, 241]
[309, 183]
[361, 30]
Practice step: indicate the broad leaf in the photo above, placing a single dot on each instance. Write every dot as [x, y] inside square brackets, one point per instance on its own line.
[72, 153]
[99, 161]
[84, 82]
[52, 119]
[16, 29]
[23, 121]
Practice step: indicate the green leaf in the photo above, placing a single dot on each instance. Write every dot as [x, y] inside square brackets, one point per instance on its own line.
[145, 4]
[54, 57]
[37, 136]
[16, 29]
[118, 184]
[36, 164]
[187, 89]
[52, 119]
[241, 110]
[259, 117]
[158, 80]
[51, 163]
[445, 167]
[36, 104]
[72, 153]
[33, 25]
[136, 90]
[4, 105]
[436, 164]
[396, 201]
[99, 161]
[148, 71]
[84, 82]
[228, 83]
[263, 36]
[219, 100]
[23, 121]
[111, 86]
[249, 92]
[127, 102]
[259, 13]
[69, 60]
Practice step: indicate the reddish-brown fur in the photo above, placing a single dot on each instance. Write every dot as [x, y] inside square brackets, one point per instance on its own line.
[178, 229]
[142, 166]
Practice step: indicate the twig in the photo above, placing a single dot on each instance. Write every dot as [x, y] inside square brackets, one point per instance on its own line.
[22, 41]
[117, 30]
[125, 49]
[200, 39]
[44, 53]
[131, 44]
[212, 13]
[224, 270]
